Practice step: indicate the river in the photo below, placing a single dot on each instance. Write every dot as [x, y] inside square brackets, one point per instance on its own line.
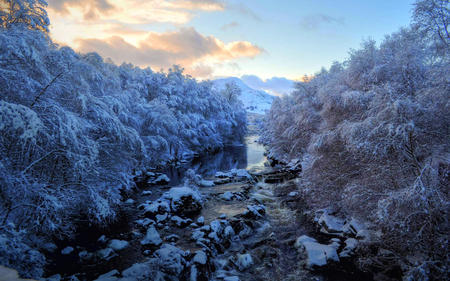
[267, 240]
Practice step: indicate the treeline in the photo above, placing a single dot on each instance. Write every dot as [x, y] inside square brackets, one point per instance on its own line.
[74, 127]
[374, 136]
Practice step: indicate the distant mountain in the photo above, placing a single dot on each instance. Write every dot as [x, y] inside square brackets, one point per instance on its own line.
[255, 101]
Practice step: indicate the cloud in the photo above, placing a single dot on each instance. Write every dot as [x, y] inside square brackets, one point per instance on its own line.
[230, 26]
[186, 47]
[244, 10]
[206, 5]
[274, 85]
[91, 8]
[316, 21]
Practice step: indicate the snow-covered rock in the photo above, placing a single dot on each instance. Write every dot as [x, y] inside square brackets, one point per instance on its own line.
[184, 199]
[105, 253]
[200, 257]
[162, 179]
[117, 245]
[110, 276]
[317, 254]
[152, 238]
[129, 202]
[170, 259]
[67, 250]
[180, 222]
[205, 183]
[244, 261]
[255, 212]
[146, 192]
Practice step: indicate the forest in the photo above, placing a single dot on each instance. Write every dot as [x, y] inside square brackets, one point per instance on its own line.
[373, 134]
[75, 129]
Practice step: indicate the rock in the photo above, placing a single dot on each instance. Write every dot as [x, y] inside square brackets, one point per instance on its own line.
[348, 250]
[231, 278]
[67, 250]
[145, 222]
[228, 196]
[129, 202]
[151, 210]
[117, 245]
[205, 183]
[161, 218]
[172, 238]
[200, 258]
[139, 271]
[110, 276]
[228, 232]
[170, 259]
[317, 254]
[152, 238]
[180, 222]
[255, 212]
[223, 216]
[105, 253]
[244, 261]
[150, 174]
[184, 200]
[102, 239]
[331, 223]
[161, 180]
[201, 220]
[197, 234]
[223, 175]
[293, 194]
[146, 193]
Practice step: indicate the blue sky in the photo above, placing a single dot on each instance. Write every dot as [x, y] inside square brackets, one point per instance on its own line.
[265, 42]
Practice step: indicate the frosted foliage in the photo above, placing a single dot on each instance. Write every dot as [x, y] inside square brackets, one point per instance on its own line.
[373, 134]
[73, 128]
[18, 120]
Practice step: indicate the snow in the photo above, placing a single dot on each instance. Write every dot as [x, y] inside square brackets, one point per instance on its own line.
[201, 220]
[105, 253]
[170, 258]
[244, 261]
[176, 193]
[108, 276]
[200, 257]
[228, 231]
[67, 250]
[118, 245]
[129, 202]
[152, 238]
[228, 196]
[161, 218]
[205, 183]
[318, 254]
[146, 192]
[255, 101]
[231, 278]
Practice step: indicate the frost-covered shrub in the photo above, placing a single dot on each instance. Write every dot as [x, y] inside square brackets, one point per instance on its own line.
[15, 253]
[374, 137]
[73, 127]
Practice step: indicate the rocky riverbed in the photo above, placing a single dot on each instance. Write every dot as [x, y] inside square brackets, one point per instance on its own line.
[237, 224]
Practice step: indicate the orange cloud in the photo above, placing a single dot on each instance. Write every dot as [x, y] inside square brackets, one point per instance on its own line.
[186, 47]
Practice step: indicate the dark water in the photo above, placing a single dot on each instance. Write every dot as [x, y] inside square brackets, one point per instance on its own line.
[247, 154]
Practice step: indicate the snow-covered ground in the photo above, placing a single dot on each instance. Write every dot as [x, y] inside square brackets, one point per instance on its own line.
[255, 101]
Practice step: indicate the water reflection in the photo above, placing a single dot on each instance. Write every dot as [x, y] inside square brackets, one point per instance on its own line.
[245, 155]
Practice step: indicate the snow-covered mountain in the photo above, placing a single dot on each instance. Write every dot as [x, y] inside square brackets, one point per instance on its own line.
[255, 101]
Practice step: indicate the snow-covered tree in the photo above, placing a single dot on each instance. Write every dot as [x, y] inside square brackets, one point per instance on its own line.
[30, 13]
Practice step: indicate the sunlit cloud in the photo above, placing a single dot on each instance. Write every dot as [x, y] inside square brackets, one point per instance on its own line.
[186, 47]
[274, 85]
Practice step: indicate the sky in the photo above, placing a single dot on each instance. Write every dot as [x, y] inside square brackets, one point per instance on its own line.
[268, 44]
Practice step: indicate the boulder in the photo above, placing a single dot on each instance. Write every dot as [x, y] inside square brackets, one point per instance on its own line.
[152, 238]
[184, 200]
